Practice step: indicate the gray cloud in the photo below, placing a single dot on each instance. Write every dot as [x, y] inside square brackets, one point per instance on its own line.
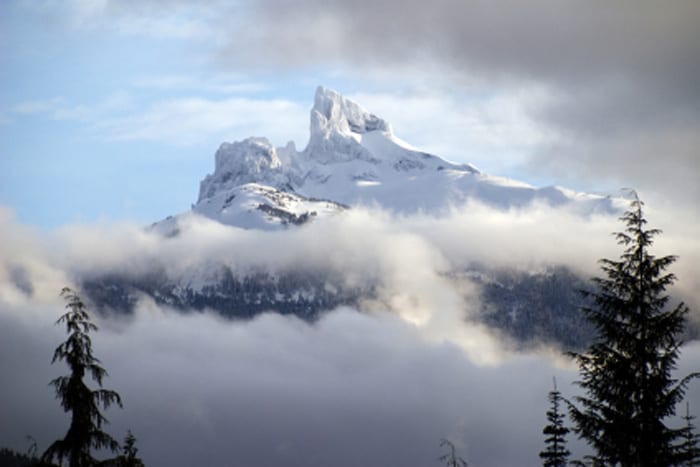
[566, 41]
[662, 163]
[573, 42]
[375, 387]
[620, 76]
[408, 256]
[379, 387]
[351, 390]
[621, 79]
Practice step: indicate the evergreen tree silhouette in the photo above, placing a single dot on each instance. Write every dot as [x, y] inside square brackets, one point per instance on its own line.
[690, 447]
[626, 372]
[129, 456]
[85, 431]
[451, 458]
[555, 454]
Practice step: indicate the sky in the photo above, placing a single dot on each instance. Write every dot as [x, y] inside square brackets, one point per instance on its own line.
[114, 109]
[110, 115]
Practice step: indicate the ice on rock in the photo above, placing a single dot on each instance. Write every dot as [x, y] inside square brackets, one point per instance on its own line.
[336, 127]
[253, 154]
[334, 113]
[287, 153]
[352, 158]
[253, 160]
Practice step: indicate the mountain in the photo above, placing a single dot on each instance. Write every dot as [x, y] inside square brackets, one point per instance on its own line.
[353, 158]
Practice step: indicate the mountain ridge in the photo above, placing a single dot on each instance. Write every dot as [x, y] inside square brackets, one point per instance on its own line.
[354, 159]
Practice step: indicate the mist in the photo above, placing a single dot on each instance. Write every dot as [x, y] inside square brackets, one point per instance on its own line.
[378, 385]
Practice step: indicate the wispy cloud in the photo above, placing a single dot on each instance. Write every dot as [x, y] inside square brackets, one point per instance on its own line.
[171, 19]
[57, 108]
[495, 132]
[211, 83]
[61, 108]
[123, 116]
[190, 120]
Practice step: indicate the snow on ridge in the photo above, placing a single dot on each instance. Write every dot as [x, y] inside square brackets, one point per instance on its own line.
[253, 160]
[353, 158]
[334, 112]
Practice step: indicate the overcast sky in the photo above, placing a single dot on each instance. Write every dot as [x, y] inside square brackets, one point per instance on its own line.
[114, 109]
[110, 115]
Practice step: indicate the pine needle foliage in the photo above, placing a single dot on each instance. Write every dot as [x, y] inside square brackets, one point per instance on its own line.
[555, 454]
[690, 447]
[84, 404]
[129, 456]
[451, 459]
[627, 372]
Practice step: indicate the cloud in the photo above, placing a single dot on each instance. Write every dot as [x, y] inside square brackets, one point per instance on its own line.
[492, 131]
[228, 83]
[56, 108]
[352, 389]
[61, 108]
[24, 265]
[542, 40]
[362, 249]
[660, 162]
[598, 96]
[178, 120]
[604, 93]
[618, 76]
[170, 19]
[192, 119]
[377, 386]
[409, 260]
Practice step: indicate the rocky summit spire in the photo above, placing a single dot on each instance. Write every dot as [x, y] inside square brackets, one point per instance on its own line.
[352, 158]
[337, 127]
[247, 161]
[334, 113]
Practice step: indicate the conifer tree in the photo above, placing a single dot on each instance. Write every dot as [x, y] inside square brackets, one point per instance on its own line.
[129, 456]
[85, 431]
[690, 447]
[555, 454]
[451, 458]
[626, 372]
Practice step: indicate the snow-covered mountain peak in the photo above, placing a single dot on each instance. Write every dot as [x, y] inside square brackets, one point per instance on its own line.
[251, 160]
[333, 112]
[353, 159]
[338, 126]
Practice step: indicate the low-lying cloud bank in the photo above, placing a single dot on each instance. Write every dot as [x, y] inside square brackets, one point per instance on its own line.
[350, 390]
[376, 387]
[408, 254]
